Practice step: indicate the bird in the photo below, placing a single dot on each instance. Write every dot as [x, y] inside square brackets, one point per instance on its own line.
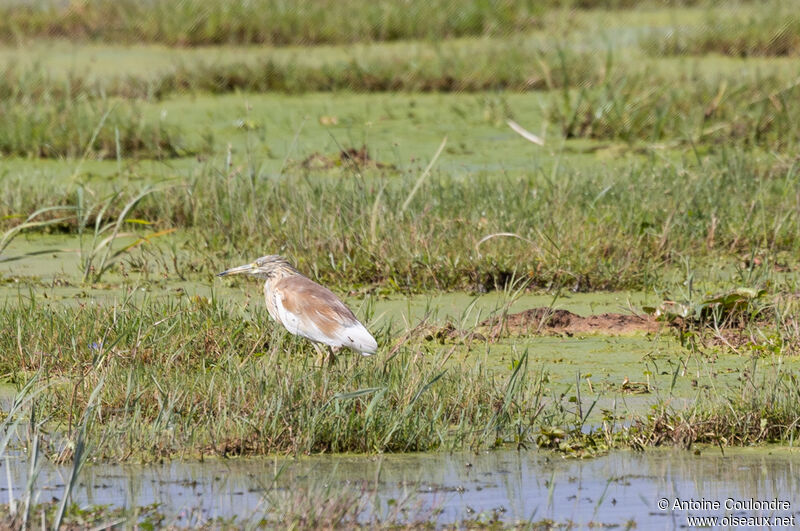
[307, 309]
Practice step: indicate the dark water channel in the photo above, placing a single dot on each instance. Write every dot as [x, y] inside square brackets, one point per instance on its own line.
[620, 488]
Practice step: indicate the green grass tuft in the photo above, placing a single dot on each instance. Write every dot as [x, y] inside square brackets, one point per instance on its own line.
[77, 128]
[771, 31]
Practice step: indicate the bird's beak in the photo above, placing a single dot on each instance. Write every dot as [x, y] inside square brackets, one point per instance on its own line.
[238, 270]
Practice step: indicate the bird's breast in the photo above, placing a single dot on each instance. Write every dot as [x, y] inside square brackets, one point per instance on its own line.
[272, 305]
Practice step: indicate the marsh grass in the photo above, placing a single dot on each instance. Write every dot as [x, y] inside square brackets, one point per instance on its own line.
[98, 256]
[579, 230]
[591, 94]
[307, 22]
[33, 83]
[574, 225]
[195, 22]
[77, 518]
[641, 107]
[240, 386]
[76, 128]
[493, 64]
[763, 409]
[35, 220]
[773, 30]
[510, 63]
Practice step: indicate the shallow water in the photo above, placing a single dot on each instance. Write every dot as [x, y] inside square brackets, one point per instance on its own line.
[516, 486]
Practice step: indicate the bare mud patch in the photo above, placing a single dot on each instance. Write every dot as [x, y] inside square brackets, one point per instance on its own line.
[358, 158]
[548, 320]
[450, 333]
[545, 321]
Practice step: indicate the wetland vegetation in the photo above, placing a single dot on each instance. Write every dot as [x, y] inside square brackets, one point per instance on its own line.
[371, 146]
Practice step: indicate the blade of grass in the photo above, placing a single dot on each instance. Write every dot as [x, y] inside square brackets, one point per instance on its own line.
[423, 175]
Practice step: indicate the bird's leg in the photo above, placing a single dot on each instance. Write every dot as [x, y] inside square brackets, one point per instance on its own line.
[321, 355]
[332, 355]
[328, 355]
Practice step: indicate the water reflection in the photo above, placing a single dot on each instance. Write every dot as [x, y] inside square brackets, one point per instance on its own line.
[517, 486]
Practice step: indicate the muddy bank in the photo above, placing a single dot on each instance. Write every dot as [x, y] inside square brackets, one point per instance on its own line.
[548, 320]
[358, 158]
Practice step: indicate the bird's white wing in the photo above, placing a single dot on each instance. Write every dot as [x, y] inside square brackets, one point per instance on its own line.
[317, 314]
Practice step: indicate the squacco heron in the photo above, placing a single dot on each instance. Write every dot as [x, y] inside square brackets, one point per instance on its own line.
[305, 308]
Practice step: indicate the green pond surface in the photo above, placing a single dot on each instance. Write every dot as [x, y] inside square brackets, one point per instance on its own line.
[619, 489]
[275, 133]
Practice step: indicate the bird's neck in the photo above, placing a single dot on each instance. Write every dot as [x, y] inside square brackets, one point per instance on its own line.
[279, 274]
[269, 291]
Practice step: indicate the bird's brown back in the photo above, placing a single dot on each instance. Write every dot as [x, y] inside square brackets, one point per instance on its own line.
[308, 300]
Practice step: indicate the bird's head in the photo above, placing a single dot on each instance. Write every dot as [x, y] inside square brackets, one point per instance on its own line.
[266, 267]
